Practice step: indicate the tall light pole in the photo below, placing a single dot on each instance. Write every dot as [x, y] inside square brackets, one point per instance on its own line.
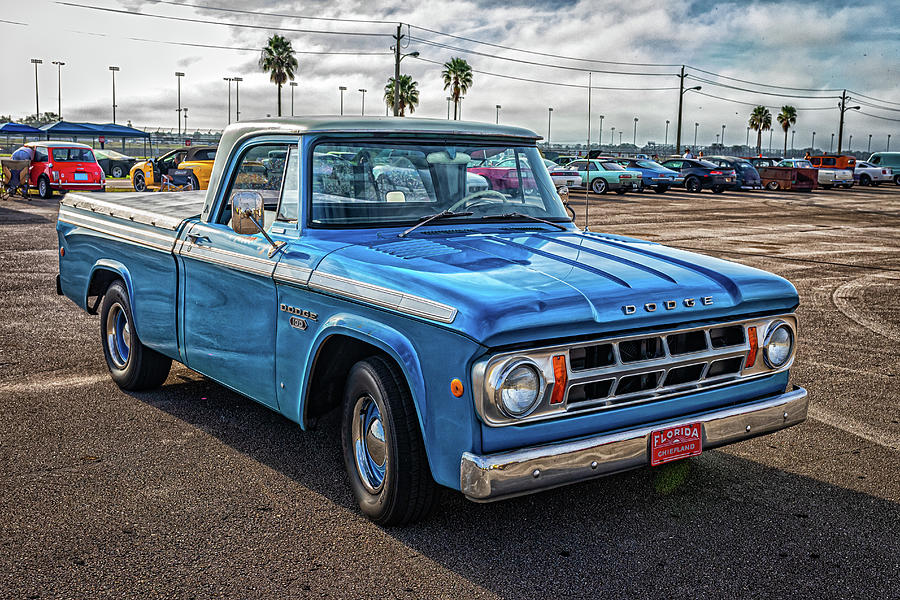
[497, 120]
[850, 143]
[634, 139]
[723, 135]
[613, 130]
[293, 85]
[59, 66]
[178, 76]
[362, 110]
[184, 111]
[620, 137]
[461, 98]
[113, 71]
[747, 143]
[343, 89]
[793, 133]
[717, 139]
[449, 100]
[666, 142]
[600, 139]
[831, 144]
[812, 144]
[696, 126]
[237, 98]
[229, 80]
[842, 105]
[549, 118]
[37, 104]
[888, 148]
[869, 147]
[770, 139]
[681, 92]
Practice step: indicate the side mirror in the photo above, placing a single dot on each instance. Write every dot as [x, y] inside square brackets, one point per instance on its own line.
[245, 207]
[563, 192]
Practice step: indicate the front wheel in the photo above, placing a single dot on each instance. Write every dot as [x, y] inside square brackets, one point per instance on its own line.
[661, 189]
[383, 450]
[599, 186]
[139, 183]
[195, 185]
[865, 180]
[773, 185]
[118, 171]
[44, 189]
[132, 365]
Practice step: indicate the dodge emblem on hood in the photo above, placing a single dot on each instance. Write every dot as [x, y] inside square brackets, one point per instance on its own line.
[630, 309]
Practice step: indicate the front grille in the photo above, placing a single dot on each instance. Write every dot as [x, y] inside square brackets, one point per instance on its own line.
[637, 369]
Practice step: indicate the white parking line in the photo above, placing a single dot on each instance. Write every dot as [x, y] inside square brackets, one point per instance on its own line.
[38, 385]
[854, 427]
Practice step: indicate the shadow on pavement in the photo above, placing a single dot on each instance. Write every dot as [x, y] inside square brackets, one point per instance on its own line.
[715, 526]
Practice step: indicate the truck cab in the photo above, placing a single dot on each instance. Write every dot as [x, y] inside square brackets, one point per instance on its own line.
[471, 339]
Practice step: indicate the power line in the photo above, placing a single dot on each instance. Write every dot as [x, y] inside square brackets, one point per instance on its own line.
[13, 22]
[557, 83]
[268, 14]
[534, 63]
[240, 49]
[869, 104]
[757, 104]
[229, 24]
[780, 87]
[732, 87]
[877, 117]
[871, 98]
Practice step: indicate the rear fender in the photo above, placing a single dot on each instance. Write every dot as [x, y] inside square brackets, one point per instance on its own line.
[100, 268]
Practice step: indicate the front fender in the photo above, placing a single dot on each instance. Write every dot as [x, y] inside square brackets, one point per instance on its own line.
[383, 337]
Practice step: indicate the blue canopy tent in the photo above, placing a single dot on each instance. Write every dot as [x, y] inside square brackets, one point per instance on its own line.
[68, 129]
[17, 129]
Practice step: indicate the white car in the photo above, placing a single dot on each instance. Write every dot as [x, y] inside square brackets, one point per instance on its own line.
[561, 176]
[869, 174]
[828, 178]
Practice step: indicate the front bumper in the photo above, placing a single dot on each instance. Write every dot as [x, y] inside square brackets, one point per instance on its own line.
[485, 478]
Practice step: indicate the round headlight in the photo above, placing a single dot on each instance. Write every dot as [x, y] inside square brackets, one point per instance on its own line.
[519, 390]
[778, 345]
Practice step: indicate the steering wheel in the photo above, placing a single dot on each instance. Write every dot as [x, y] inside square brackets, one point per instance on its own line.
[475, 195]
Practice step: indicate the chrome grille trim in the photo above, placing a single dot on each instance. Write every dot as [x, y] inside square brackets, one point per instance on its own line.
[663, 365]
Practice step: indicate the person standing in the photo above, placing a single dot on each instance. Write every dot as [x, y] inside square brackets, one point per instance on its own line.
[687, 153]
[24, 153]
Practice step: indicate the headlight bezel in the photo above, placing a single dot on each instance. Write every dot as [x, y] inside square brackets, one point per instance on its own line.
[500, 376]
[774, 327]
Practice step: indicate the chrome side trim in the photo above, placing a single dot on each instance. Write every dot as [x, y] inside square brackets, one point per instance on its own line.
[380, 296]
[151, 239]
[485, 478]
[227, 258]
[292, 274]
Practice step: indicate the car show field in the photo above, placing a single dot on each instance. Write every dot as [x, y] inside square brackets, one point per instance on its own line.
[194, 490]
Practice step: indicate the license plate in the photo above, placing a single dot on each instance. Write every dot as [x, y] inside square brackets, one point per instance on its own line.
[675, 443]
[81, 177]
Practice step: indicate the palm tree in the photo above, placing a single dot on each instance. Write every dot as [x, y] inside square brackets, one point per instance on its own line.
[278, 59]
[409, 94]
[457, 74]
[760, 120]
[787, 117]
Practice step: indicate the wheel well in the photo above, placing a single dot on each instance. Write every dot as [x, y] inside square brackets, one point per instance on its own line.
[331, 366]
[100, 282]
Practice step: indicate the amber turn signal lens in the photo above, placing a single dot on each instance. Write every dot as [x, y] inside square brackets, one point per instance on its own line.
[560, 379]
[754, 347]
[62, 251]
[456, 388]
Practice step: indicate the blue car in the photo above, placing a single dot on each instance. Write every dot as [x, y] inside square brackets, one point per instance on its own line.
[464, 337]
[655, 176]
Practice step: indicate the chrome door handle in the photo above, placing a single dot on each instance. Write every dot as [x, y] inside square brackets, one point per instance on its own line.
[196, 238]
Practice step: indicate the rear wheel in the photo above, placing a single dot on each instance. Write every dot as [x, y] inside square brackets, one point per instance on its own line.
[139, 183]
[773, 185]
[693, 185]
[661, 189]
[383, 449]
[118, 171]
[718, 189]
[897, 179]
[599, 186]
[44, 188]
[132, 365]
[195, 185]
[865, 180]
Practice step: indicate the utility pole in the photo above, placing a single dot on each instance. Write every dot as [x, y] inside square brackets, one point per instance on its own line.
[229, 80]
[178, 76]
[681, 92]
[37, 104]
[59, 66]
[362, 111]
[397, 39]
[113, 70]
[237, 98]
[842, 105]
[293, 85]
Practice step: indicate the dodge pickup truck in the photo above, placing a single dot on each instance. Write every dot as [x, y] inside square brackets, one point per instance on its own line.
[476, 340]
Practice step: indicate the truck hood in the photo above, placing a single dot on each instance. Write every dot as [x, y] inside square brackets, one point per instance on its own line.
[519, 284]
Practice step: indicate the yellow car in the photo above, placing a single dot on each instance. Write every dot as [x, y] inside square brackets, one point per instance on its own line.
[147, 174]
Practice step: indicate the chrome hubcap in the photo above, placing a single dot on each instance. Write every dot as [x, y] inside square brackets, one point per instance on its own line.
[118, 335]
[369, 445]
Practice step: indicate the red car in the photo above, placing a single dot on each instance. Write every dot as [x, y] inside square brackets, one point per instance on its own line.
[64, 166]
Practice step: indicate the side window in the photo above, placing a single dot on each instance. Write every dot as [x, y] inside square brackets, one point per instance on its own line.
[674, 164]
[876, 160]
[289, 199]
[256, 170]
[40, 154]
[829, 162]
[592, 166]
[578, 165]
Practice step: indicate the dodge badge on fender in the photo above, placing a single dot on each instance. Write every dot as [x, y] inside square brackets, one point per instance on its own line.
[470, 338]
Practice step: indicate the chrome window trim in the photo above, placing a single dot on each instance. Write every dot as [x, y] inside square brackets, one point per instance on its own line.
[381, 296]
[493, 416]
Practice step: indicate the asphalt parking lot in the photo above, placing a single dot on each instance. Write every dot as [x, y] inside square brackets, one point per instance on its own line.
[192, 491]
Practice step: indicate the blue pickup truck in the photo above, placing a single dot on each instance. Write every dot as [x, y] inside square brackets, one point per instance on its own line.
[476, 340]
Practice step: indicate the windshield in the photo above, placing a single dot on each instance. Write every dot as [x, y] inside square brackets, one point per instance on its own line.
[707, 164]
[649, 164]
[72, 155]
[803, 164]
[397, 184]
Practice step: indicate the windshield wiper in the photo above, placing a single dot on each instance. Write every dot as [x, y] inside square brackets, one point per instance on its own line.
[428, 219]
[516, 215]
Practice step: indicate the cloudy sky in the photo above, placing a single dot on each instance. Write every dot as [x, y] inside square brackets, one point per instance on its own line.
[807, 47]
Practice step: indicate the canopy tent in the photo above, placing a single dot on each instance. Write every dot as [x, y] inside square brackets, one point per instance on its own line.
[92, 130]
[19, 129]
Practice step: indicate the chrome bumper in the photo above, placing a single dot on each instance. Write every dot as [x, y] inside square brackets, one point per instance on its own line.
[506, 474]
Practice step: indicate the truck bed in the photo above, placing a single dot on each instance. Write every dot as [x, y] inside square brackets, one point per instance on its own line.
[163, 210]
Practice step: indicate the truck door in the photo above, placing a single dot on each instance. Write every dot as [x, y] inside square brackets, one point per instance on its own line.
[229, 302]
